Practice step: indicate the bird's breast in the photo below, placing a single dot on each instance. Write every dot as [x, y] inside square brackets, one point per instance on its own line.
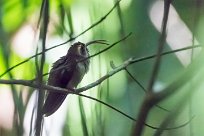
[77, 76]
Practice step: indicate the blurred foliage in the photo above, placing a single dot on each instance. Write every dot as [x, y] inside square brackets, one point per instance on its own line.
[67, 19]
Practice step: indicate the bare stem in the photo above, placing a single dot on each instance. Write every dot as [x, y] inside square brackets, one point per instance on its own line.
[147, 103]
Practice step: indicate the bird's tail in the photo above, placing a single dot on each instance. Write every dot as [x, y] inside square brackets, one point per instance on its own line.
[53, 102]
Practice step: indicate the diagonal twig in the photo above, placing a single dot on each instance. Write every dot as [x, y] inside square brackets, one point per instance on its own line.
[91, 56]
[77, 92]
[141, 86]
[111, 73]
[71, 39]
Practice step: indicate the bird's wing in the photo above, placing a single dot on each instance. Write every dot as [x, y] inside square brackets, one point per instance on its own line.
[58, 77]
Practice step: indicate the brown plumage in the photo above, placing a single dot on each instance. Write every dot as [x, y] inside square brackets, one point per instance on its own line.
[67, 77]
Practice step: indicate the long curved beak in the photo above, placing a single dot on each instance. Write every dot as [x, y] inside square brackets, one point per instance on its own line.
[97, 41]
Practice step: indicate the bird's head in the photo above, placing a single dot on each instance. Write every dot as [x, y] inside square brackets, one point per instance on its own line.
[80, 49]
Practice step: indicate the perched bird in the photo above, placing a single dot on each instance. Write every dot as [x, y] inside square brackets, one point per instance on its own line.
[67, 72]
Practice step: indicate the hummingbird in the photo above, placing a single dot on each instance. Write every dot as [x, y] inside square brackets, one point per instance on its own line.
[67, 72]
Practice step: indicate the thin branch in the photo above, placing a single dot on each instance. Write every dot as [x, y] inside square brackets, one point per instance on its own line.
[77, 92]
[112, 45]
[123, 66]
[43, 33]
[176, 111]
[161, 45]
[141, 86]
[146, 106]
[142, 58]
[71, 39]
[114, 71]
[160, 95]
[41, 13]
[109, 47]
[166, 122]
[182, 102]
[131, 118]
[136, 81]
[188, 74]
